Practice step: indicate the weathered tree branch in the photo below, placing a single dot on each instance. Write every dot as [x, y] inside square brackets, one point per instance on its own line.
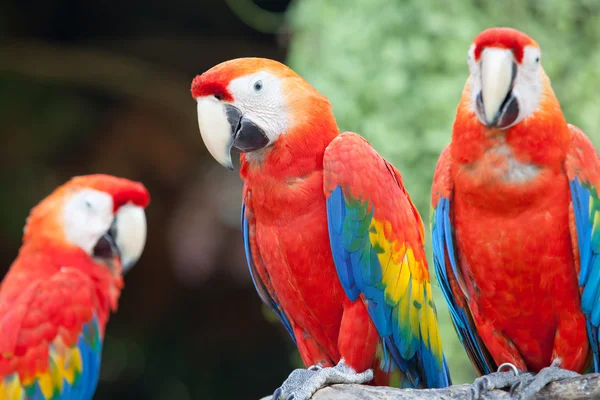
[580, 388]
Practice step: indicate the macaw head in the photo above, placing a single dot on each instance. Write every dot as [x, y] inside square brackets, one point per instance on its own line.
[507, 79]
[249, 104]
[101, 215]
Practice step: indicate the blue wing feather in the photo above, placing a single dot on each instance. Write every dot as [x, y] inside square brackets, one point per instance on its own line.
[262, 291]
[585, 207]
[360, 271]
[90, 347]
[581, 200]
[336, 215]
[84, 381]
[443, 246]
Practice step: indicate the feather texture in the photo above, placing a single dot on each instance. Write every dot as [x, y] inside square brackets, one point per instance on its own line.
[376, 237]
[447, 271]
[57, 351]
[260, 278]
[583, 169]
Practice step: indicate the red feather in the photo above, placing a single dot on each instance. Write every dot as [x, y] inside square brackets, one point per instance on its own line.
[506, 38]
[215, 81]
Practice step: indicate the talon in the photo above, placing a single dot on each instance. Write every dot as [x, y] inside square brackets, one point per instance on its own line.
[484, 385]
[276, 394]
[514, 387]
[496, 380]
[290, 397]
[471, 394]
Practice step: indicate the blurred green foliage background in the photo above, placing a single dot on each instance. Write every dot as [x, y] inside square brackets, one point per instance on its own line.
[394, 72]
[92, 87]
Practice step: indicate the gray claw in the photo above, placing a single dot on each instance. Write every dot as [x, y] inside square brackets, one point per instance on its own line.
[484, 385]
[514, 387]
[497, 380]
[303, 383]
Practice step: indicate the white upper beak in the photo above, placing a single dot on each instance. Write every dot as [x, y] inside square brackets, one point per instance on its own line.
[130, 234]
[496, 79]
[215, 129]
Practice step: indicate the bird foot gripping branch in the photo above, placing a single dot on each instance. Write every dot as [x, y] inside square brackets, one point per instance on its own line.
[500, 380]
[303, 383]
[523, 385]
[550, 374]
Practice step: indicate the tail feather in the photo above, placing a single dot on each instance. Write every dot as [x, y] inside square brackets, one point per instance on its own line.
[421, 372]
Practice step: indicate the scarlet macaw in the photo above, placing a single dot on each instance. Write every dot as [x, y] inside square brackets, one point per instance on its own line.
[333, 242]
[56, 298]
[515, 233]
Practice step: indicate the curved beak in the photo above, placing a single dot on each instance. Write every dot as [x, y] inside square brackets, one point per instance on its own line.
[129, 234]
[496, 106]
[223, 127]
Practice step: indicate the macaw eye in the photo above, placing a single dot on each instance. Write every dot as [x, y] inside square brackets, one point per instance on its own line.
[258, 86]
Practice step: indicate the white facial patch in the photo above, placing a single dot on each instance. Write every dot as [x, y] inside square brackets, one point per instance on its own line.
[475, 73]
[260, 98]
[87, 215]
[528, 83]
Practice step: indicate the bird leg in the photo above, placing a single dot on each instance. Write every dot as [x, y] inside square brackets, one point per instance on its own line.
[303, 383]
[499, 380]
[550, 374]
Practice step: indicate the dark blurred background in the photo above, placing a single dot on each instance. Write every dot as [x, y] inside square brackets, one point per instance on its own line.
[89, 87]
[103, 87]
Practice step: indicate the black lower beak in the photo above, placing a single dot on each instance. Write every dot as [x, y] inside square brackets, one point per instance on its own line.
[106, 247]
[506, 114]
[247, 136]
